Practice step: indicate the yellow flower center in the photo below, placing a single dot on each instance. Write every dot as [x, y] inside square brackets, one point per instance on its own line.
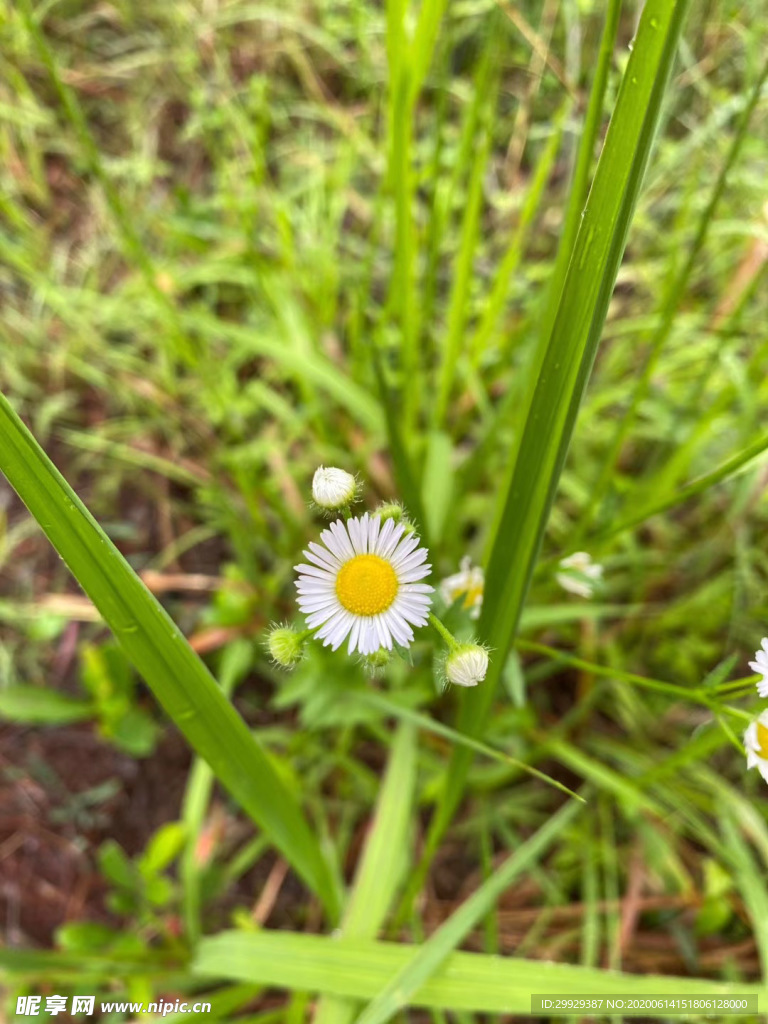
[473, 595]
[366, 585]
[762, 739]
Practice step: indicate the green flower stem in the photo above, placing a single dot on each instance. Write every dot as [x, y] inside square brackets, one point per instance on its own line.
[449, 638]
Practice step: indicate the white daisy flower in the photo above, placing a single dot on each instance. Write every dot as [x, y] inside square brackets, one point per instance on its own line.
[580, 574]
[760, 665]
[756, 742]
[468, 581]
[466, 665]
[333, 488]
[364, 584]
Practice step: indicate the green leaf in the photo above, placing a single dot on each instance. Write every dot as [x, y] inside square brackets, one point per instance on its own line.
[411, 977]
[37, 705]
[163, 848]
[563, 371]
[383, 862]
[437, 483]
[134, 731]
[749, 877]
[116, 866]
[84, 937]
[358, 968]
[161, 654]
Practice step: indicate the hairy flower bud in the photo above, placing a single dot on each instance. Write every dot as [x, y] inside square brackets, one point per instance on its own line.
[285, 646]
[466, 665]
[332, 488]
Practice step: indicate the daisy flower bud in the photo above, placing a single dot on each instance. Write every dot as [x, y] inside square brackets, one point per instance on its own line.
[468, 582]
[760, 665]
[333, 489]
[579, 574]
[756, 742]
[285, 646]
[466, 665]
[374, 664]
[394, 510]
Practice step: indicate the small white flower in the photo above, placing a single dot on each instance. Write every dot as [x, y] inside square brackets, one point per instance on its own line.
[580, 574]
[364, 584]
[756, 742]
[466, 665]
[468, 581]
[760, 665]
[333, 488]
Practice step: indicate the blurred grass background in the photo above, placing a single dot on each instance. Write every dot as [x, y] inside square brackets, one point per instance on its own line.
[212, 215]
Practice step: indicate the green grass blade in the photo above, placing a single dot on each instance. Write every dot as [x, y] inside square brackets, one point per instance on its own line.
[464, 981]
[161, 654]
[499, 295]
[749, 878]
[436, 728]
[401, 460]
[458, 303]
[402, 296]
[235, 662]
[584, 158]
[384, 858]
[37, 705]
[696, 487]
[412, 976]
[581, 313]
[676, 290]
[526, 499]
[132, 242]
[383, 862]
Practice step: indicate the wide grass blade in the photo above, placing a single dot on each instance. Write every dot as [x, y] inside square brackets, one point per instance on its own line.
[357, 969]
[383, 863]
[400, 989]
[525, 500]
[161, 654]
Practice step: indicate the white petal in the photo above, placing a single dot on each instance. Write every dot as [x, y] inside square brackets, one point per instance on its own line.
[321, 618]
[374, 525]
[317, 604]
[324, 555]
[385, 640]
[353, 635]
[400, 629]
[385, 535]
[404, 549]
[313, 570]
[353, 529]
[387, 547]
[413, 575]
